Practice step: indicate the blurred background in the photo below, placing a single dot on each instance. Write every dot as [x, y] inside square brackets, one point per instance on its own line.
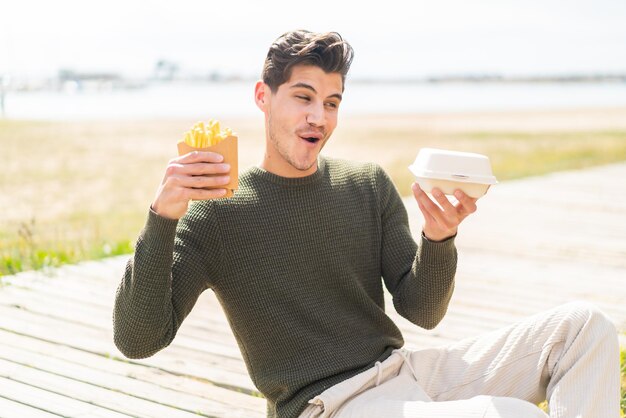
[94, 97]
[125, 59]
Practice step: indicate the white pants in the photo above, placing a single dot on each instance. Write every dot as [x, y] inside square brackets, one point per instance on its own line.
[568, 355]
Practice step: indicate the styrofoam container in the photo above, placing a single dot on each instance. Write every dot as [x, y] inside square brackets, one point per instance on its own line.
[452, 170]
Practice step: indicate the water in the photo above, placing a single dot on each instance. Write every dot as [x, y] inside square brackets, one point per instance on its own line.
[236, 99]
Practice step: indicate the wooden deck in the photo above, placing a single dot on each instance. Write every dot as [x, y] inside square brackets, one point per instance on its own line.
[533, 244]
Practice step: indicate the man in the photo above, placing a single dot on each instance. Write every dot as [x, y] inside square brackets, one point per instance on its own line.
[296, 258]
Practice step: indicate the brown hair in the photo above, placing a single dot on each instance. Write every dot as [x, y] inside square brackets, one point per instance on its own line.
[301, 47]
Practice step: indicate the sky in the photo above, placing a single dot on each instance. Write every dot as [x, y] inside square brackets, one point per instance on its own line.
[391, 38]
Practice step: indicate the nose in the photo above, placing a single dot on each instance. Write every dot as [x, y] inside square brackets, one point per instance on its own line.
[315, 115]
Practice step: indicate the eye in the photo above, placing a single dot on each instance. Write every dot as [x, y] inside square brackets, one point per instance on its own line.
[332, 105]
[304, 98]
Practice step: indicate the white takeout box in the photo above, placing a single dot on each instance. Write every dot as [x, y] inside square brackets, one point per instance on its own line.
[452, 170]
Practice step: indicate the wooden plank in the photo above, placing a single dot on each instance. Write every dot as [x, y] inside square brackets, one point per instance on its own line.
[52, 297]
[12, 409]
[217, 341]
[76, 290]
[202, 323]
[108, 389]
[206, 354]
[190, 385]
[89, 397]
[93, 340]
[155, 376]
[46, 400]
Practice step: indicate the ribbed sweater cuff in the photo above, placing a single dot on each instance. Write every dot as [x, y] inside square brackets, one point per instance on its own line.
[437, 252]
[159, 233]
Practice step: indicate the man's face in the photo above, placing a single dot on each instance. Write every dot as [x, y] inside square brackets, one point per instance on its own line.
[299, 118]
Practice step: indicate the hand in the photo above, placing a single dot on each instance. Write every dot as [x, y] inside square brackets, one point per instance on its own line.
[188, 177]
[442, 222]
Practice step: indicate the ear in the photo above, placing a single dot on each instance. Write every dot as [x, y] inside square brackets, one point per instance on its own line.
[262, 94]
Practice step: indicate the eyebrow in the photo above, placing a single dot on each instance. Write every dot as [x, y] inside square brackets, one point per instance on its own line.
[310, 87]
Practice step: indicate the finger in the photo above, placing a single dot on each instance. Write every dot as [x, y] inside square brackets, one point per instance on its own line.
[420, 197]
[199, 157]
[195, 169]
[443, 201]
[199, 182]
[466, 204]
[205, 194]
[428, 218]
[199, 169]
[423, 200]
[418, 192]
[429, 206]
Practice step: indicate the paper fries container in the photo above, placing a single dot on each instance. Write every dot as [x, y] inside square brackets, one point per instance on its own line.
[228, 149]
[452, 170]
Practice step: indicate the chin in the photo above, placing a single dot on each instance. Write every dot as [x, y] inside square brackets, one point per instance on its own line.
[304, 165]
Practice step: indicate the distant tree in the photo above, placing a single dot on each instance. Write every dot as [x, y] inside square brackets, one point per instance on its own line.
[165, 70]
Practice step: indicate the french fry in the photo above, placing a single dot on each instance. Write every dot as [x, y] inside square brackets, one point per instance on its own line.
[203, 135]
[209, 136]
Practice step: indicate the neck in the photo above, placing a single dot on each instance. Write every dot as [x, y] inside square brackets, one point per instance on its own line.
[282, 168]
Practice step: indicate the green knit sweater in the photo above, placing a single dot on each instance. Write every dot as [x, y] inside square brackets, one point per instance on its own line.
[297, 265]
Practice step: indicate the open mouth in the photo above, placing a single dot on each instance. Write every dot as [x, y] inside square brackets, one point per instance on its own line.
[311, 137]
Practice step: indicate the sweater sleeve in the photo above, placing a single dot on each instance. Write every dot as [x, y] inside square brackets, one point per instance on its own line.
[163, 280]
[420, 278]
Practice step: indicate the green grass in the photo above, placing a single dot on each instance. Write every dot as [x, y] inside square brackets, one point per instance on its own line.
[623, 379]
[79, 191]
[29, 251]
